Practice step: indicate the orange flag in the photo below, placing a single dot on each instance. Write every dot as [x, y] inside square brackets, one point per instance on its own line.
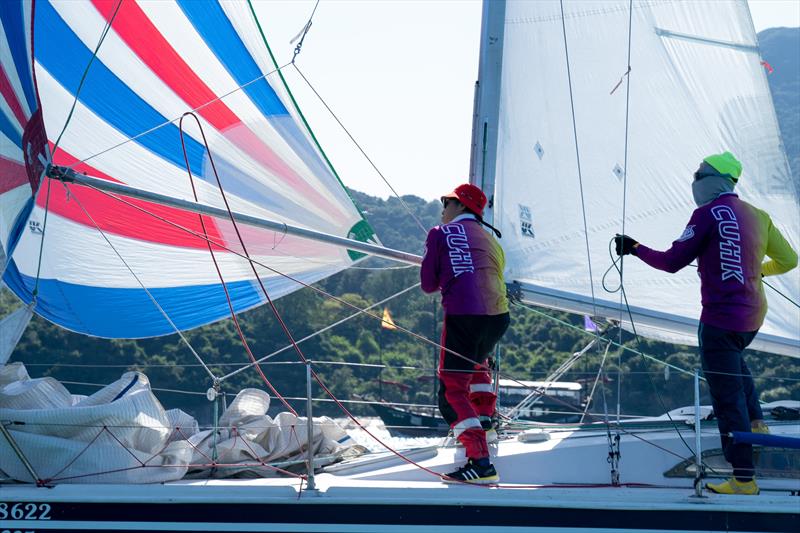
[387, 322]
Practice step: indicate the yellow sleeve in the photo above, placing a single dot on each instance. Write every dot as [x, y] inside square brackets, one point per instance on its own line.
[782, 257]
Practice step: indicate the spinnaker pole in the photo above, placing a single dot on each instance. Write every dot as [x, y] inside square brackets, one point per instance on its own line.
[68, 175]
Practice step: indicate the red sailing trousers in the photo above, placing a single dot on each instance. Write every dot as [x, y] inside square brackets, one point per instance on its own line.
[466, 395]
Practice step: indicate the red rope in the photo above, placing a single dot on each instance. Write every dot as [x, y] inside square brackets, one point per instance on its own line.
[303, 284]
[214, 259]
[275, 311]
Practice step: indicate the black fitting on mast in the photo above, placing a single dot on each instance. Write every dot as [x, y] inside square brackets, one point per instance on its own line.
[62, 174]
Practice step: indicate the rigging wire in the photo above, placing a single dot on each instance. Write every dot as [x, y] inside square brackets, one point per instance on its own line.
[303, 33]
[625, 191]
[212, 101]
[618, 345]
[288, 334]
[35, 292]
[316, 377]
[364, 153]
[335, 400]
[106, 29]
[318, 290]
[578, 157]
[323, 330]
[624, 298]
[596, 379]
[58, 140]
[141, 284]
[623, 295]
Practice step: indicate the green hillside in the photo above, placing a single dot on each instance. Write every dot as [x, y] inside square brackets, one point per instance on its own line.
[534, 345]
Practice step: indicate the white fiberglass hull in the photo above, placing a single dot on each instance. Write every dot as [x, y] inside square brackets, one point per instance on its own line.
[273, 505]
[558, 484]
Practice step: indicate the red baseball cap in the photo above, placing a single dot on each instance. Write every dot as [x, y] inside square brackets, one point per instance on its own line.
[469, 195]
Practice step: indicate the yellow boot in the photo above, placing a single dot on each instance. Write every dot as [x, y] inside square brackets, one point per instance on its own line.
[734, 486]
[758, 426]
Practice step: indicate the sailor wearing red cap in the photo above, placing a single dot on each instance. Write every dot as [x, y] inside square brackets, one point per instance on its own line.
[466, 264]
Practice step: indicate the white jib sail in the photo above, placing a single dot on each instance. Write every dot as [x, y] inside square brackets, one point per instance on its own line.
[696, 88]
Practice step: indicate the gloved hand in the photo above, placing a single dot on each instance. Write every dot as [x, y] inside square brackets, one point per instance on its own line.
[625, 245]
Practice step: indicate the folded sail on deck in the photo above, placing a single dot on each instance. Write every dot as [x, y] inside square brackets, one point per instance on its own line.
[696, 88]
[133, 269]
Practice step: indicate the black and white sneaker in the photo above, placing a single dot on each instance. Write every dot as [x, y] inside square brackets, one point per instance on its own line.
[473, 472]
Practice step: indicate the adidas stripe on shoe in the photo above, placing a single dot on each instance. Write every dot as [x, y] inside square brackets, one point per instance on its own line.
[473, 472]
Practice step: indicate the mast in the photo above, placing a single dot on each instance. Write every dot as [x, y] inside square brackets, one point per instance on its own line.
[483, 159]
[68, 175]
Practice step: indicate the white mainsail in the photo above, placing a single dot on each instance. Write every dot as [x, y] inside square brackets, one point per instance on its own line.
[565, 125]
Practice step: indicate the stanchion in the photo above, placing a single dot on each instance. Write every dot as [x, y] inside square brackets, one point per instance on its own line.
[311, 485]
[698, 446]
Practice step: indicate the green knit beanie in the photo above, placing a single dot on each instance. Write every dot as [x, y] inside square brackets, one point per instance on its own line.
[725, 164]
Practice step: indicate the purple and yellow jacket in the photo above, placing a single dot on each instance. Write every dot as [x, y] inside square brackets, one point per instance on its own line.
[466, 263]
[730, 238]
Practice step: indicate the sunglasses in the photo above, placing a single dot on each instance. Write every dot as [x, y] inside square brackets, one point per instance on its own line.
[446, 201]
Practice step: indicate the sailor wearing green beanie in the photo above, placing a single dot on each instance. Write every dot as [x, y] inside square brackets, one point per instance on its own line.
[729, 238]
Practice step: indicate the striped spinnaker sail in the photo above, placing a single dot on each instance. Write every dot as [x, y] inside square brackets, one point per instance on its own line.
[132, 269]
[22, 142]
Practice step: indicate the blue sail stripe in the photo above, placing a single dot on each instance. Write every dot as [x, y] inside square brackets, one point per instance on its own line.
[65, 57]
[130, 313]
[216, 30]
[13, 20]
[10, 130]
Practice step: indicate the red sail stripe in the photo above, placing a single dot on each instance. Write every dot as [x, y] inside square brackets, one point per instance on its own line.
[144, 39]
[115, 217]
[12, 175]
[11, 98]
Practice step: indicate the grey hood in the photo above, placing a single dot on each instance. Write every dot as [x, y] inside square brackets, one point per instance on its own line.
[709, 184]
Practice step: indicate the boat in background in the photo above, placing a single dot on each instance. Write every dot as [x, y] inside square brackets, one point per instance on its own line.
[104, 174]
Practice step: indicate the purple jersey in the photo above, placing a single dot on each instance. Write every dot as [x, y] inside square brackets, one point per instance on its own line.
[729, 238]
[466, 263]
